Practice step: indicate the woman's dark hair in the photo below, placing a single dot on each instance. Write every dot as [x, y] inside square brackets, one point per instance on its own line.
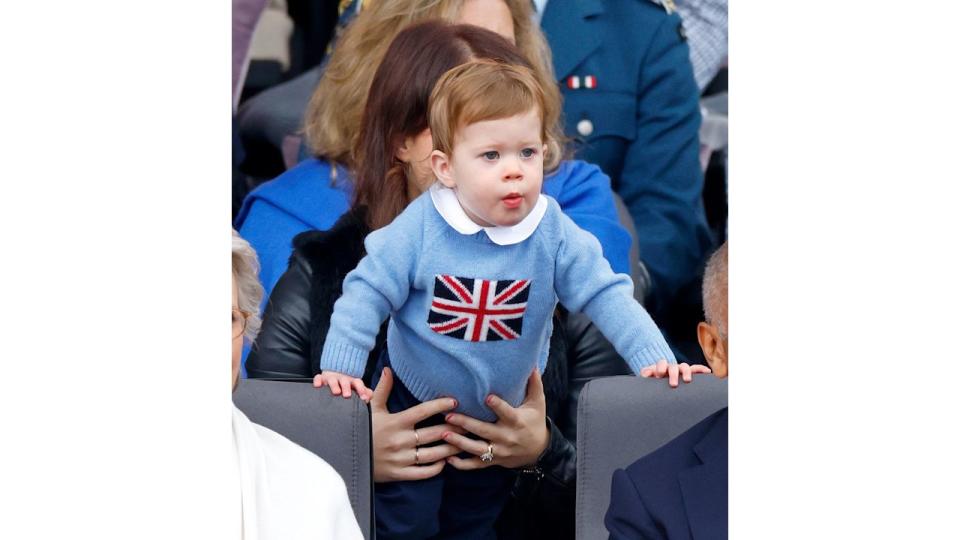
[397, 105]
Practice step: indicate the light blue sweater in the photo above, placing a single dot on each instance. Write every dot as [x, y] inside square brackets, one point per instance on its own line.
[470, 317]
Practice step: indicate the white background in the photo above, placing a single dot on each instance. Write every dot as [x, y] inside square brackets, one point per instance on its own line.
[114, 220]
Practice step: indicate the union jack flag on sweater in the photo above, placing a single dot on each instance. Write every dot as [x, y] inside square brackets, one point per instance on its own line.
[475, 309]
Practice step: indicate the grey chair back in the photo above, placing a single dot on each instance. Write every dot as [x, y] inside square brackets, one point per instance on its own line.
[308, 417]
[621, 419]
[638, 271]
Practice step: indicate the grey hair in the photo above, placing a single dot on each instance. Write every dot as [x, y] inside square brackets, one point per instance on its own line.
[715, 289]
[249, 290]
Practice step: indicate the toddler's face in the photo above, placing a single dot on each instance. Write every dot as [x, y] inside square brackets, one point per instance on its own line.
[497, 169]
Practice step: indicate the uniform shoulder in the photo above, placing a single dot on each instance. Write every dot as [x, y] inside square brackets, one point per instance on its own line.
[647, 12]
[636, 20]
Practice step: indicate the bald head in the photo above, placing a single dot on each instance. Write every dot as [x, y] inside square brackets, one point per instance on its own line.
[715, 289]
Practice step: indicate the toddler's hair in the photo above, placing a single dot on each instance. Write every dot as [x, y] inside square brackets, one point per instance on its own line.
[482, 90]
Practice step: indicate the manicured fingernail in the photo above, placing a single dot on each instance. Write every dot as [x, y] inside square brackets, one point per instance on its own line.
[447, 418]
[489, 400]
[453, 403]
[445, 435]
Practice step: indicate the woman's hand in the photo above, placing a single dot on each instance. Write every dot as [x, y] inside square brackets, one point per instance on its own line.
[673, 372]
[398, 453]
[518, 436]
[340, 384]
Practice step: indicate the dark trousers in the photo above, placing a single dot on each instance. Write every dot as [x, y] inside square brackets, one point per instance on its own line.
[453, 504]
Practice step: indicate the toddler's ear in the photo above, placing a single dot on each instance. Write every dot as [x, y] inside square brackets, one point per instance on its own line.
[440, 164]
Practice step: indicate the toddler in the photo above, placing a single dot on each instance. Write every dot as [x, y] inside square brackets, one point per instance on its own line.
[470, 274]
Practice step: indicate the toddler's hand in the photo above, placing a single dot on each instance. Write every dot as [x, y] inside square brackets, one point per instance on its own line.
[341, 384]
[673, 372]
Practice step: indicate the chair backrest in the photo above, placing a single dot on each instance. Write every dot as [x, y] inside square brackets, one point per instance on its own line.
[306, 416]
[638, 272]
[621, 419]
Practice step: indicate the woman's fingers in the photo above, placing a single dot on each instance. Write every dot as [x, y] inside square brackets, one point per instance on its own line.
[435, 433]
[426, 409]
[430, 454]
[502, 409]
[470, 464]
[477, 427]
[534, 390]
[418, 472]
[380, 394]
[466, 444]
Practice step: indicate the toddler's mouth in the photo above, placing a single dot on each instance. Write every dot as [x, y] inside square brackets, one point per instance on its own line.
[513, 200]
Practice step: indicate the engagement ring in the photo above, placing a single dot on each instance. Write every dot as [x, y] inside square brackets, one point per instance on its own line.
[487, 456]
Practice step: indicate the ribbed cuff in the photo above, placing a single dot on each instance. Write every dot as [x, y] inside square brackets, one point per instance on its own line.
[343, 358]
[650, 355]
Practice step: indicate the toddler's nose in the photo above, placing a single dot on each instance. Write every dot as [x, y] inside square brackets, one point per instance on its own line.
[512, 170]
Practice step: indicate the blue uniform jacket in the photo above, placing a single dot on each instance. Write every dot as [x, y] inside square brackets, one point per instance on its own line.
[639, 123]
[679, 491]
[304, 198]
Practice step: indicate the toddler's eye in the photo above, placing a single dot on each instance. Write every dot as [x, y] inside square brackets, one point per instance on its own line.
[491, 155]
[528, 153]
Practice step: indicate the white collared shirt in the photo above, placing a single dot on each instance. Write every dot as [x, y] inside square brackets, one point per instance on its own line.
[445, 201]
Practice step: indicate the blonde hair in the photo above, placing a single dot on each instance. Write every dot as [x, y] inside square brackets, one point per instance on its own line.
[249, 290]
[715, 289]
[335, 111]
[484, 90]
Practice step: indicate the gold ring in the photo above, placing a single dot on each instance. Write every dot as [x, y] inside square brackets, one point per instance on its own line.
[416, 456]
[417, 435]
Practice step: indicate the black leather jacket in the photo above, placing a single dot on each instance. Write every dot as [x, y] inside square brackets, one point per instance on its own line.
[295, 324]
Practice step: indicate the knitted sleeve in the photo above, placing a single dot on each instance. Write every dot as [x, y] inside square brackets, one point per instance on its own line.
[379, 285]
[585, 283]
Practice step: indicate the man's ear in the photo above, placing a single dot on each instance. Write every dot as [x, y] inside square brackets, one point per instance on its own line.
[440, 164]
[713, 348]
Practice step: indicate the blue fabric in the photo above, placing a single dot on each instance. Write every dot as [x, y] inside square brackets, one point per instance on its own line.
[645, 119]
[677, 492]
[442, 507]
[399, 277]
[302, 198]
[305, 198]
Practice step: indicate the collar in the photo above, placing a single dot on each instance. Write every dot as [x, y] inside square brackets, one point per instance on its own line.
[447, 205]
